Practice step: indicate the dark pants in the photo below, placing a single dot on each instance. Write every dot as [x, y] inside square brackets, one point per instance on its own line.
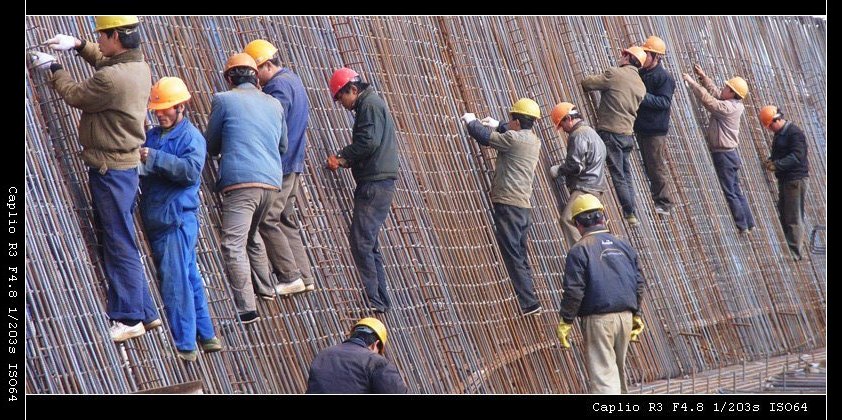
[791, 212]
[618, 147]
[653, 149]
[113, 197]
[727, 166]
[372, 201]
[512, 231]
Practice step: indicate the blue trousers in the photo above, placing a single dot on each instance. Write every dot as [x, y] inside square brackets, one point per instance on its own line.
[618, 148]
[372, 201]
[512, 232]
[181, 284]
[113, 197]
[727, 166]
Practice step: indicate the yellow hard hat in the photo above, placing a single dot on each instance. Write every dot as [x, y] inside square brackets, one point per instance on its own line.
[167, 93]
[378, 328]
[655, 45]
[583, 203]
[768, 114]
[109, 22]
[240, 60]
[526, 106]
[637, 53]
[560, 111]
[260, 50]
[738, 85]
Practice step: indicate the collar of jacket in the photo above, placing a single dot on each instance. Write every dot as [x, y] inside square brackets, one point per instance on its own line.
[595, 229]
[175, 130]
[362, 96]
[643, 71]
[578, 125]
[130, 56]
[356, 341]
[245, 85]
[278, 74]
[784, 129]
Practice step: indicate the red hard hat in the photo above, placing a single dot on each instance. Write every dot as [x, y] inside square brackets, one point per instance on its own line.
[341, 78]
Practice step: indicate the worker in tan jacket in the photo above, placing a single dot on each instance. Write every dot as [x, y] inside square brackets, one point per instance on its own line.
[723, 136]
[111, 130]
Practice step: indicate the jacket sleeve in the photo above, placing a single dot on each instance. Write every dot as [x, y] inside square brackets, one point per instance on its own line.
[641, 282]
[597, 81]
[575, 272]
[366, 138]
[183, 169]
[283, 141]
[385, 379]
[479, 132]
[213, 133]
[283, 93]
[714, 90]
[501, 142]
[92, 95]
[572, 164]
[710, 102]
[798, 154]
[660, 98]
[90, 53]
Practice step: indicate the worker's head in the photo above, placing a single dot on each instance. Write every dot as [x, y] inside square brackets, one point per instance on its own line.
[735, 88]
[586, 211]
[565, 116]
[345, 86]
[654, 48]
[116, 34]
[240, 69]
[633, 55]
[264, 55]
[167, 100]
[523, 114]
[772, 118]
[372, 332]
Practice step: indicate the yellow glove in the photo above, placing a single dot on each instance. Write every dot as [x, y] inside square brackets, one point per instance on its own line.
[563, 331]
[637, 327]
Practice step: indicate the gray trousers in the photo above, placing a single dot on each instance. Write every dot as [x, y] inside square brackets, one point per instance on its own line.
[607, 340]
[791, 213]
[653, 149]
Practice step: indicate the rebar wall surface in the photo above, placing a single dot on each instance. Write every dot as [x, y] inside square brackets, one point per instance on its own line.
[714, 298]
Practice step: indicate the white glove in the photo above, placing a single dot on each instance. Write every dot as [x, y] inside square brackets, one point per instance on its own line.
[554, 170]
[468, 117]
[40, 60]
[62, 42]
[490, 122]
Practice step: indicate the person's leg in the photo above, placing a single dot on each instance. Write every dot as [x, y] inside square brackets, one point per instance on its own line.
[627, 145]
[286, 268]
[726, 173]
[601, 361]
[261, 270]
[616, 161]
[568, 228]
[171, 256]
[790, 205]
[238, 208]
[653, 150]
[746, 210]
[509, 224]
[372, 202]
[622, 336]
[290, 227]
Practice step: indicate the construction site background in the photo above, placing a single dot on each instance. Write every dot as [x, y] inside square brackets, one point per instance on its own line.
[714, 298]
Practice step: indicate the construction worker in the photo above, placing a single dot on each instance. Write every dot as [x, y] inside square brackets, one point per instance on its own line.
[111, 131]
[791, 167]
[248, 128]
[357, 365]
[171, 171]
[603, 286]
[294, 274]
[723, 137]
[373, 159]
[583, 165]
[652, 123]
[622, 92]
[518, 149]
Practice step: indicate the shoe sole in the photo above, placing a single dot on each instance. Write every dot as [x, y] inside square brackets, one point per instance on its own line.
[251, 321]
[533, 312]
[152, 325]
[128, 338]
[291, 292]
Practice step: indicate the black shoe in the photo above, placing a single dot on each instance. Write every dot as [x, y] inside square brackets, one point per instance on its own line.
[535, 310]
[378, 310]
[249, 317]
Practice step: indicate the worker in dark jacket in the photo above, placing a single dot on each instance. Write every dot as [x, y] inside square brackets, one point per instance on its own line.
[604, 287]
[357, 365]
[789, 163]
[518, 150]
[652, 123]
[373, 159]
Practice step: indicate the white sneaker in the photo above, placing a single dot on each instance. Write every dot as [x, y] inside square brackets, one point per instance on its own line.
[121, 332]
[283, 289]
[310, 287]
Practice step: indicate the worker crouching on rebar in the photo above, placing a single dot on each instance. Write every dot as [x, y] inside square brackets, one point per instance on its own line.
[789, 163]
[248, 128]
[583, 164]
[111, 130]
[622, 92]
[723, 136]
[357, 365]
[518, 149]
[604, 287]
[171, 171]
[373, 159]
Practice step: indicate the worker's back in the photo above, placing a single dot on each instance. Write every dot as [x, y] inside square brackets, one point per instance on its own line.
[351, 368]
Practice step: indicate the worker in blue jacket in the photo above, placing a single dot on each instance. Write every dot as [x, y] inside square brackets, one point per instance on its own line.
[172, 160]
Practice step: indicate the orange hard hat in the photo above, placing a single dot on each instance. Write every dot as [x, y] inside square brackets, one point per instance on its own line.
[560, 111]
[655, 45]
[167, 93]
[260, 50]
[240, 60]
[768, 114]
[637, 53]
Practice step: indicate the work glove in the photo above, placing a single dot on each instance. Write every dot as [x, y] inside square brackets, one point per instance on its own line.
[40, 60]
[332, 163]
[563, 331]
[468, 117]
[61, 42]
[490, 122]
[769, 164]
[554, 170]
[637, 327]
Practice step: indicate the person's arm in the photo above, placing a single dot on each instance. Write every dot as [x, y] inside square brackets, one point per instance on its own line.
[797, 155]
[213, 133]
[89, 51]
[597, 81]
[573, 163]
[92, 95]
[575, 272]
[366, 137]
[711, 103]
[283, 93]
[480, 133]
[185, 168]
[386, 380]
[661, 97]
[641, 282]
